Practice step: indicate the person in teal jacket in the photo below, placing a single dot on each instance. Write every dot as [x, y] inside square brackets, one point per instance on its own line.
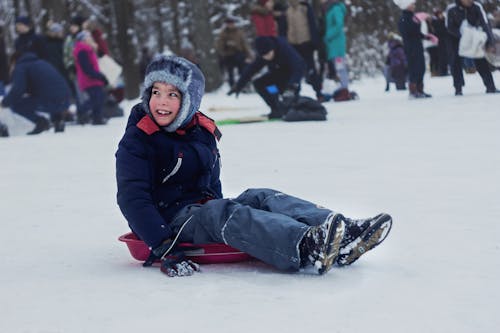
[335, 40]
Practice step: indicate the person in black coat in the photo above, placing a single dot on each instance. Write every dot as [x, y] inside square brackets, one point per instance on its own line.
[4, 63]
[37, 86]
[54, 48]
[286, 69]
[305, 39]
[409, 27]
[438, 24]
[27, 40]
[473, 12]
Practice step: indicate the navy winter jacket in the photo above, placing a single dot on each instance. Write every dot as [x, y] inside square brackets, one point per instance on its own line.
[37, 78]
[31, 42]
[409, 26]
[158, 172]
[286, 60]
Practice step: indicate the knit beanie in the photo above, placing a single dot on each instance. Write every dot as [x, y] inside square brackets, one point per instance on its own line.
[82, 35]
[56, 28]
[183, 74]
[264, 44]
[403, 4]
[24, 20]
[77, 20]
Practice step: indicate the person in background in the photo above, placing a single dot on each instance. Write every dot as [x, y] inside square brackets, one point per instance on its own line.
[4, 63]
[54, 45]
[396, 63]
[324, 64]
[263, 19]
[473, 12]
[4, 77]
[303, 35]
[279, 12]
[169, 190]
[90, 79]
[37, 86]
[98, 37]
[410, 29]
[335, 42]
[75, 27]
[233, 49]
[27, 40]
[281, 83]
[438, 24]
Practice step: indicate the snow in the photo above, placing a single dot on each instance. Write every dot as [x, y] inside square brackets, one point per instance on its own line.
[432, 164]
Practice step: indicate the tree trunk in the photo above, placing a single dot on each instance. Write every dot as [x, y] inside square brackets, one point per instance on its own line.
[203, 41]
[124, 11]
[161, 36]
[176, 30]
[56, 11]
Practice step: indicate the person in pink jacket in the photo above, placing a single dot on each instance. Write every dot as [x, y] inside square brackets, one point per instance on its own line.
[90, 79]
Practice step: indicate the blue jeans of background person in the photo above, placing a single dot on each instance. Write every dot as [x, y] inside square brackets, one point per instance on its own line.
[2, 88]
[267, 224]
[342, 72]
[95, 102]
[28, 106]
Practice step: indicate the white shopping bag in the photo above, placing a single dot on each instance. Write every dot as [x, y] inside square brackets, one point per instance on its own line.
[473, 41]
[111, 69]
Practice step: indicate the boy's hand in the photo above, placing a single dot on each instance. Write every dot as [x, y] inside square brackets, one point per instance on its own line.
[176, 264]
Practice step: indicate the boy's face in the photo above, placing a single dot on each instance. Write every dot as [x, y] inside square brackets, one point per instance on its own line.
[165, 103]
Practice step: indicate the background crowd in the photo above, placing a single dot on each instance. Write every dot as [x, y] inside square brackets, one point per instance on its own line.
[61, 74]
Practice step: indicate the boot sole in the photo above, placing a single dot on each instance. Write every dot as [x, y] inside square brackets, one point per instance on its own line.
[334, 237]
[368, 240]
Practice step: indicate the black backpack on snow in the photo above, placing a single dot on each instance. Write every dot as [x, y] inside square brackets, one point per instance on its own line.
[305, 108]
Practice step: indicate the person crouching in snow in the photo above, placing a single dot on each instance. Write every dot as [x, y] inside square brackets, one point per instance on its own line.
[280, 85]
[169, 189]
[37, 86]
[410, 29]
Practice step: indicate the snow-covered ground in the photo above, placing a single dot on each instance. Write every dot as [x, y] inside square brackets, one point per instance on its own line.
[433, 164]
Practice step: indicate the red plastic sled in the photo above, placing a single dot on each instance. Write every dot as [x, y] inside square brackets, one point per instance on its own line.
[206, 254]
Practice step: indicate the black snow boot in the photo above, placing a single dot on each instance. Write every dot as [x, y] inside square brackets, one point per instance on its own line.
[420, 89]
[362, 236]
[278, 110]
[42, 124]
[58, 121]
[320, 245]
[4, 131]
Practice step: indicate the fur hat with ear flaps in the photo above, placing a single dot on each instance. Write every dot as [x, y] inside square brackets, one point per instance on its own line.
[183, 74]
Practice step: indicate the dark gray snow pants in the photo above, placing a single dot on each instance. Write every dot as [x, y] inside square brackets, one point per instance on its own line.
[267, 224]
